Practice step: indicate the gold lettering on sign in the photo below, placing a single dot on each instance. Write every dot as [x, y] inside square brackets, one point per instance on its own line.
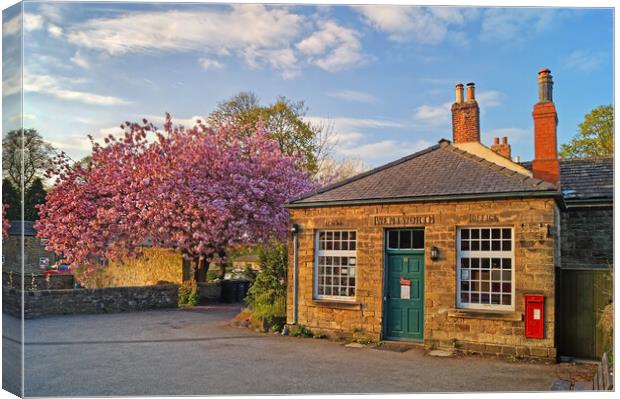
[333, 223]
[483, 218]
[403, 220]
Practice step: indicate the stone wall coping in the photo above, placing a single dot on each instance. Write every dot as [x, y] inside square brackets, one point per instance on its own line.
[337, 304]
[485, 314]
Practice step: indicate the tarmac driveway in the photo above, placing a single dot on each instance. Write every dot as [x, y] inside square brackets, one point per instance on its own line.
[195, 352]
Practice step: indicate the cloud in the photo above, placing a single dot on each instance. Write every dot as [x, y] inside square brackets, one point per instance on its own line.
[583, 60]
[208, 63]
[81, 61]
[12, 26]
[516, 24]
[333, 47]
[22, 117]
[56, 87]
[424, 25]
[343, 124]
[54, 31]
[32, 22]
[440, 114]
[433, 114]
[355, 96]
[384, 150]
[186, 122]
[258, 34]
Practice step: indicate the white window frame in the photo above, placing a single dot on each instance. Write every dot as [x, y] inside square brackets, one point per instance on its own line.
[318, 252]
[485, 254]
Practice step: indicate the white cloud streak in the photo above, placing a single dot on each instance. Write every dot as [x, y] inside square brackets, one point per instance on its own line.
[333, 47]
[354, 96]
[57, 87]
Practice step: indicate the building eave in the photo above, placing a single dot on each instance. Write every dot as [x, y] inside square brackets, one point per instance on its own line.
[432, 198]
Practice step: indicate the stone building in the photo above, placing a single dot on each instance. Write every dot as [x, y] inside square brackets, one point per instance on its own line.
[445, 246]
[35, 254]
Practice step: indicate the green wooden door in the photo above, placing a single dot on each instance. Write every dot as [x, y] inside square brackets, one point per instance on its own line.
[583, 294]
[404, 296]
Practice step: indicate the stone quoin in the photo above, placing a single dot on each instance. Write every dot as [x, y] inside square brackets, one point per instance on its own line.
[443, 247]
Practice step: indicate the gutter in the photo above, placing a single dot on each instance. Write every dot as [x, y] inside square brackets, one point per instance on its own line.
[432, 198]
[295, 232]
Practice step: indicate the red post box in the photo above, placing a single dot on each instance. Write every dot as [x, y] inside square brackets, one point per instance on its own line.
[534, 316]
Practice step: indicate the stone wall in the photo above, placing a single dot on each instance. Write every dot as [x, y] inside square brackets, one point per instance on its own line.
[444, 325]
[35, 281]
[102, 300]
[587, 237]
[33, 250]
[155, 266]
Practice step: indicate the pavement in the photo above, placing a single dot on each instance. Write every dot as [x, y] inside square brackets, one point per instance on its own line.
[195, 352]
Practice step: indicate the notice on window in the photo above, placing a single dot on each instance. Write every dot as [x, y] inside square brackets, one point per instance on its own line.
[536, 314]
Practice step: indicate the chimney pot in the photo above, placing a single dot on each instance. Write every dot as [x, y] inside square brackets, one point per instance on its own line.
[495, 140]
[545, 86]
[459, 93]
[504, 140]
[471, 88]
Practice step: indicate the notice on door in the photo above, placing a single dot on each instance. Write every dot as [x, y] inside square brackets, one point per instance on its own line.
[405, 288]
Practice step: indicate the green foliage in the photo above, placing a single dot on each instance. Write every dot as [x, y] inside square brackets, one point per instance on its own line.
[11, 197]
[188, 293]
[267, 296]
[212, 275]
[301, 331]
[595, 137]
[283, 120]
[250, 274]
[34, 195]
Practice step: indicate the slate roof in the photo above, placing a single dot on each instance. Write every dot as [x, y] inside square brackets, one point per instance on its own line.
[438, 171]
[586, 180]
[15, 228]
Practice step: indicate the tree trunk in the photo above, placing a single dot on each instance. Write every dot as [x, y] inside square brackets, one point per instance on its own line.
[222, 271]
[200, 271]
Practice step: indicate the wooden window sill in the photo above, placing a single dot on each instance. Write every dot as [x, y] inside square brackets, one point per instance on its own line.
[330, 303]
[485, 314]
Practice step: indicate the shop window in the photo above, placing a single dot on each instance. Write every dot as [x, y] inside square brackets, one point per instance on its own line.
[335, 263]
[406, 239]
[485, 268]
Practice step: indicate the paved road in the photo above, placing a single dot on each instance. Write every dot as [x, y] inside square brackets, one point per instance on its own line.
[195, 352]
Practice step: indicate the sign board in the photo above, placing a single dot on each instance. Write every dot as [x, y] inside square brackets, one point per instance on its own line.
[536, 314]
[403, 220]
[44, 262]
[405, 288]
[483, 218]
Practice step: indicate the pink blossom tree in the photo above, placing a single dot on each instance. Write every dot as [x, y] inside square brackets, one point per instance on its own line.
[93, 209]
[199, 191]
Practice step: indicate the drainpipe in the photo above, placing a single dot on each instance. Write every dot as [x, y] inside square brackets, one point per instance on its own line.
[295, 232]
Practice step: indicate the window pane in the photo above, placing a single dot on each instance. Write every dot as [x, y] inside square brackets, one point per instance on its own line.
[485, 233]
[405, 239]
[336, 274]
[506, 233]
[464, 297]
[418, 239]
[475, 233]
[393, 239]
[352, 246]
[475, 263]
[484, 246]
[506, 263]
[352, 235]
[465, 245]
[484, 298]
[506, 245]
[475, 245]
[337, 246]
[465, 233]
[495, 233]
[505, 299]
[344, 236]
[495, 299]
[464, 262]
[496, 245]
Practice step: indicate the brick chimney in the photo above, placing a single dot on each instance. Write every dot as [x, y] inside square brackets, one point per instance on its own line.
[465, 116]
[502, 148]
[545, 165]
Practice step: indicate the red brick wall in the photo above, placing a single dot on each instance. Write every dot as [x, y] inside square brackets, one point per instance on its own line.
[545, 165]
[465, 122]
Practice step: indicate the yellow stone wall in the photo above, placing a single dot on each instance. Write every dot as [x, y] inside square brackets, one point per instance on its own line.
[535, 234]
[157, 265]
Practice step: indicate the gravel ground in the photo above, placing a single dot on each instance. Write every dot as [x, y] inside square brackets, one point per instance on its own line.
[195, 352]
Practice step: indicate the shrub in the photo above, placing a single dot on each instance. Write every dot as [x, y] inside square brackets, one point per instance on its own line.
[188, 293]
[267, 296]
